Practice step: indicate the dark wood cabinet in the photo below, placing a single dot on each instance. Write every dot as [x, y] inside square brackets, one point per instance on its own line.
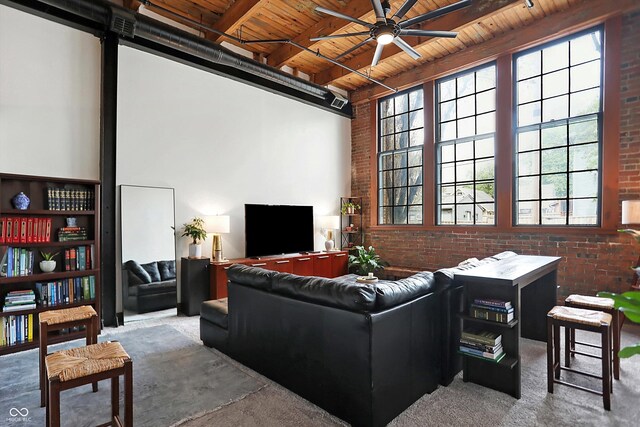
[323, 264]
[194, 284]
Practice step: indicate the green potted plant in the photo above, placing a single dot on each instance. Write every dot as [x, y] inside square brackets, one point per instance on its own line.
[349, 208]
[195, 230]
[629, 304]
[48, 264]
[365, 261]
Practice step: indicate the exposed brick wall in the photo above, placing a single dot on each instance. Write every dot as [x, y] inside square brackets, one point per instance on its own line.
[590, 262]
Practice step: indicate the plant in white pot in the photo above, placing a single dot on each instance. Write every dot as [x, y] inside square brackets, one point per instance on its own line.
[195, 230]
[48, 264]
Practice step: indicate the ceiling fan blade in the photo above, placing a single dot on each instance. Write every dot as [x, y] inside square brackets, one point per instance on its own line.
[429, 33]
[406, 6]
[435, 13]
[343, 16]
[377, 8]
[356, 47]
[377, 55]
[405, 46]
[337, 36]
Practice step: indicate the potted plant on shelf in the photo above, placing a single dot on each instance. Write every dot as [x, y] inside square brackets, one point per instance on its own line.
[366, 261]
[48, 264]
[349, 208]
[195, 230]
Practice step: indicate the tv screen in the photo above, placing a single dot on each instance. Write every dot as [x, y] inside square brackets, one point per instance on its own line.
[278, 229]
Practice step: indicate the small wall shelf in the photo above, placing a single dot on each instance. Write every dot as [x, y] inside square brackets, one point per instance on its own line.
[349, 239]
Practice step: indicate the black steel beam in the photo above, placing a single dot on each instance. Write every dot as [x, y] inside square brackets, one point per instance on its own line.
[108, 127]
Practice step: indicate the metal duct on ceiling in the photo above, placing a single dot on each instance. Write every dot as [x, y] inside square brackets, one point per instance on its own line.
[115, 17]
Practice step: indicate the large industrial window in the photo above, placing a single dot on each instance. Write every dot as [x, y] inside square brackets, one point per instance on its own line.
[400, 142]
[558, 132]
[465, 146]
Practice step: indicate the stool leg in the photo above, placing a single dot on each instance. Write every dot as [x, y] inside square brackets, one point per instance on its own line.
[54, 403]
[606, 367]
[46, 393]
[616, 344]
[42, 356]
[115, 398]
[573, 342]
[549, 356]
[556, 351]
[89, 331]
[567, 346]
[128, 393]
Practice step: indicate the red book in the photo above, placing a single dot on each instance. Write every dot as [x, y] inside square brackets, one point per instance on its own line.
[7, 230]
[23, 230]
[67, 257]
[88, 265]
[15, 238]
[47, 235]
[30, 222]
[41, 227]
[3, 228]
[73, 260]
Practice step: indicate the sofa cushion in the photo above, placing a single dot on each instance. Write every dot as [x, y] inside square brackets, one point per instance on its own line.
[152, 269]
[346, 294]
[154, 288]
[392, 293]
[137, 271]
[216, 311]
[167, 269]
[255, 277]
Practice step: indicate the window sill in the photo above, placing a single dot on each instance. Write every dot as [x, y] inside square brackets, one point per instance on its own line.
[589, 230]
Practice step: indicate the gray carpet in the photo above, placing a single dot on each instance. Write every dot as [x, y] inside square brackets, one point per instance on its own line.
[174, 378]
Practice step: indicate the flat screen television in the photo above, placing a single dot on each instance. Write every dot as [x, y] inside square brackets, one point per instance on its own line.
[278, 229]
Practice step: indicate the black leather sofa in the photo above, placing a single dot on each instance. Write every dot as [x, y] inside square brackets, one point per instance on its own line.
[149, 287]
[364, 353]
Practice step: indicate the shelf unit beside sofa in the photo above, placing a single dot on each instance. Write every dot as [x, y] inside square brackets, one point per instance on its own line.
[349, 239]
[87, 216]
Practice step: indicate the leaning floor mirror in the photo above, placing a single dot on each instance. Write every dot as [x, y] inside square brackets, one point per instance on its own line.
[149, 285]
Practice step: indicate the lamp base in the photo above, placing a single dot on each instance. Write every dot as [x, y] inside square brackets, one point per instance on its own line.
[218, 256]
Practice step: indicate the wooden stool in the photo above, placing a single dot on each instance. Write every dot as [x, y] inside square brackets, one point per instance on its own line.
[586, 320]
[68, 369]
[600, 304]
[53, 320]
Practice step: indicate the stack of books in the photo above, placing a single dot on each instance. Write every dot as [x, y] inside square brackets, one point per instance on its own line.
[67, 234]
[482, 344]
[19, 300]
[66, 291]
[17, 262]
[16, 329]
[492, 309]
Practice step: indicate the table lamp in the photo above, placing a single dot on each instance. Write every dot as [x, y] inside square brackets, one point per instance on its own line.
[217, 224]
[327, 224]
[631, 211]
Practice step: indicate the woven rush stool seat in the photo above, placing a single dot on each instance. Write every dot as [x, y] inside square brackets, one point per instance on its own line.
[52, 320]
[67, 369]
[596, 303]
[587, 320]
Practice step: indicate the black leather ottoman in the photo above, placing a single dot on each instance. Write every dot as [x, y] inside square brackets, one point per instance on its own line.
[214, 315]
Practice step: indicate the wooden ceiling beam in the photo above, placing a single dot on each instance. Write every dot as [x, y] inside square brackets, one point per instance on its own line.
[131, 4]
[327, 26]
[236, 15]
[581, 15]
[450, 22]
[187, 10]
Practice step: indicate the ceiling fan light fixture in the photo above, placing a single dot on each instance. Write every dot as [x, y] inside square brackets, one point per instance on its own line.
[384, 38]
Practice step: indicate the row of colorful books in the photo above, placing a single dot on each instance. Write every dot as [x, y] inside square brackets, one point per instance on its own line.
[63, 199]
[19, 300]
[17, 262]
[482, 344]
[492, 309]
[66, 291]
[67, 234]
[16, 329]
[25, 230]
[78, 259]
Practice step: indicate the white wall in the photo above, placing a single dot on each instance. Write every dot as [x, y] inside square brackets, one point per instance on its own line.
[49, 98]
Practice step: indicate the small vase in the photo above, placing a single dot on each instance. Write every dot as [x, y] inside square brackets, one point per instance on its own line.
[21, 201]
[195, 251]
[328, 245]
[47, 266]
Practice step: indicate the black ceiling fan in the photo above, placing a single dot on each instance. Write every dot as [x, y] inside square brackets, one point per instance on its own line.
[388, 30]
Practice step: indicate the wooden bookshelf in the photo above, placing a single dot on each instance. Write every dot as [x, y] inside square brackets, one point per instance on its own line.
[35, 187]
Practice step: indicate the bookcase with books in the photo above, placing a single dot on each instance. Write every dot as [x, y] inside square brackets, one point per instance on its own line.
[59, 217]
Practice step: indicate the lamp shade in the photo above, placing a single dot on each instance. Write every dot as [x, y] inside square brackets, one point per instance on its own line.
[218, 224]
[328, 222]
[631, 211]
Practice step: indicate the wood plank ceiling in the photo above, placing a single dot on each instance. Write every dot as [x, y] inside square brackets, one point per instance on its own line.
[298, 21]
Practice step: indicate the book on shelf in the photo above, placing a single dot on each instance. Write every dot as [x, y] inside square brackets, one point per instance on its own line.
[17, 262]
[25, 230]
[484, 356]
[480, 346]
[493, 303]
[490, 315]
[492, 308]
[66, 234]
[480, 336]
[69, 199]
[66, 291]
[16, 329]
[77, 259]
[19, 300]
